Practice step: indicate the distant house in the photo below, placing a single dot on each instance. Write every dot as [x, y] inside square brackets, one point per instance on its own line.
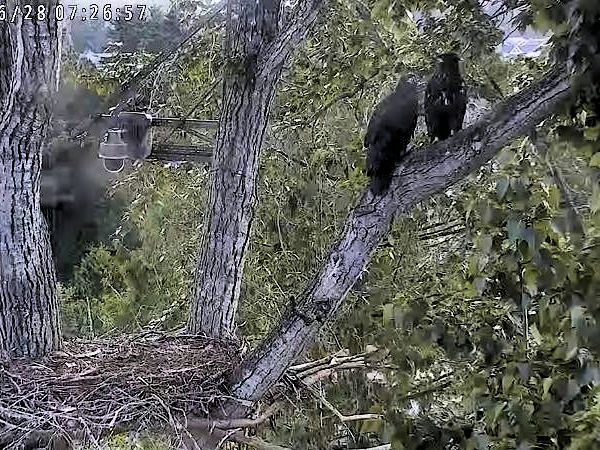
[530, 47]
[95, 57]
[528, 43]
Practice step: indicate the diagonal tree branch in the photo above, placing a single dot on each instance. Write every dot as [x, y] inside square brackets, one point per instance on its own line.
[423, 173]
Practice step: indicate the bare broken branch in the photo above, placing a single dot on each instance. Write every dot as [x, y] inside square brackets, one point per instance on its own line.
[227, 424]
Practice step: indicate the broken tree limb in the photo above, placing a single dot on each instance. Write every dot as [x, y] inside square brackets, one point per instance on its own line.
[228, 424]
[337, 413]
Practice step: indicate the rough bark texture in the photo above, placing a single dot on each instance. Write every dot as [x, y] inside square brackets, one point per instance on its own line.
[422, 174]
[29, 58]
[257, 45]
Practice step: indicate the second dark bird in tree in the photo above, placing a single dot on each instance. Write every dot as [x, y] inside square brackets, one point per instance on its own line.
[445, 98]
[390, 129]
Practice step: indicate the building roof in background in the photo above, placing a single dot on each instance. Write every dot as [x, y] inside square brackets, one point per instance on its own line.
[94, 57]
[522, 46]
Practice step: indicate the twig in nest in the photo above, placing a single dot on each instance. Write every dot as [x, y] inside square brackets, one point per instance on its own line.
[226, 438]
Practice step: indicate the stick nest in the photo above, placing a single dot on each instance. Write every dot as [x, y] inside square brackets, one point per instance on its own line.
[94, 387]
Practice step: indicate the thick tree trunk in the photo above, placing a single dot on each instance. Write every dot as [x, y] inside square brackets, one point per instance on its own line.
[29, 58]
[422, 174]
[256, 46]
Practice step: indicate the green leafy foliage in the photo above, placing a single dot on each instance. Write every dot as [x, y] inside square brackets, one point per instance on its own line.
[141, 275]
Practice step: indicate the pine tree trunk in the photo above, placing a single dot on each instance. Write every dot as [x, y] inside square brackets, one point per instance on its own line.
[29, 58]
[256, 46]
